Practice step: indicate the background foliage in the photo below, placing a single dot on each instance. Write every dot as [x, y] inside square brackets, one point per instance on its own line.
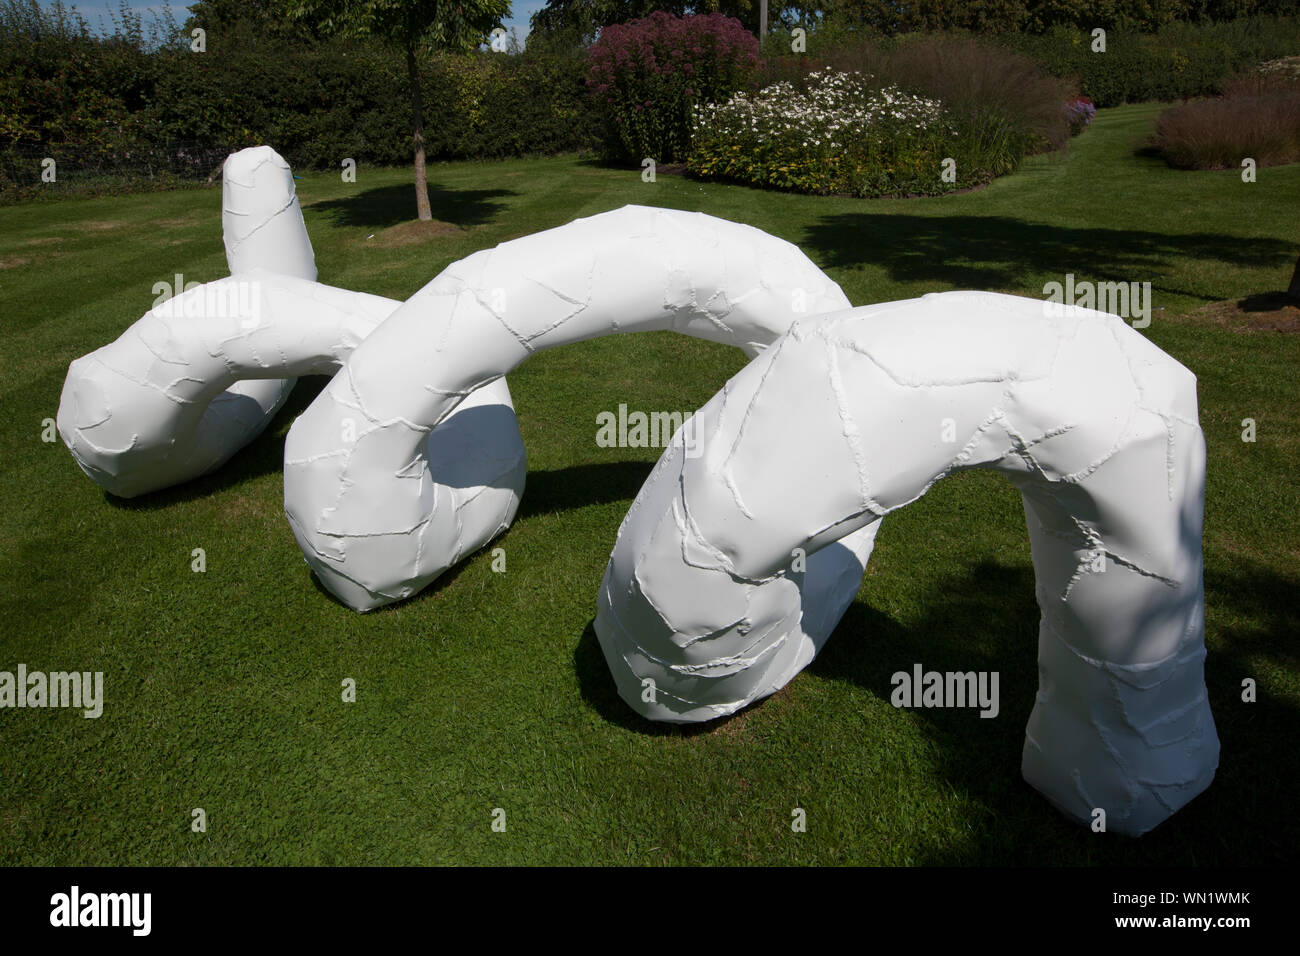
[651, 73]
[1257, 117]
[91, 102]
[138, 105]
[997, 108]
[1180, 60]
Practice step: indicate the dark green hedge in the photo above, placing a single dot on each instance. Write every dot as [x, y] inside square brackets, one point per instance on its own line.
[317, 105]
[1181, 60]
[101, 102]
[494, 105]
[118, 102]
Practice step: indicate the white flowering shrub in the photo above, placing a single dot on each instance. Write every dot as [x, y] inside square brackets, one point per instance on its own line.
[841, 134]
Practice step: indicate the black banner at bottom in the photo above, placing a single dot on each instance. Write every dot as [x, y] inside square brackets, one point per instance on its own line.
[341, 905]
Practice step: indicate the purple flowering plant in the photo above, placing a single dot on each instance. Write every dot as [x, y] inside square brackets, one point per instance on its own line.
[1079, 111]
[650, 74]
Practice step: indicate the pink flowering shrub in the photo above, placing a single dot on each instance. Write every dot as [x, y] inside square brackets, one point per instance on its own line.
[649, 75]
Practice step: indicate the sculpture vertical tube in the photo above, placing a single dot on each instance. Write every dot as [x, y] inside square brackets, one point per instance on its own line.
[189, 384]
[262, 229]
[261, 221]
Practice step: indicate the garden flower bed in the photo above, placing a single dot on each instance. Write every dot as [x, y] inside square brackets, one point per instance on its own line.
[843, 134]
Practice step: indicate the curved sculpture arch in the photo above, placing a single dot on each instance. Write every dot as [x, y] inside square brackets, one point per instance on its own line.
[360, 501]
[1094, 425]
[411, 458]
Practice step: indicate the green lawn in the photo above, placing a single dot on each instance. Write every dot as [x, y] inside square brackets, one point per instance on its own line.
[489, 690]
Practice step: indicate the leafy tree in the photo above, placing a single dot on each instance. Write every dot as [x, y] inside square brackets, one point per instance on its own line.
[412, 26]
[246, 24]
[566, 24]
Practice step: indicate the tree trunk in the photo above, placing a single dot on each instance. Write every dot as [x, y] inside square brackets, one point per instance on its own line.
[1293, 290]
[417, 130]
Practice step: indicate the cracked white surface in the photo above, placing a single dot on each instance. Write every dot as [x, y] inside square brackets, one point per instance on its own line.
[196, 379]
[839, 423]
[363, 511]
[181, 391]
[411, 458]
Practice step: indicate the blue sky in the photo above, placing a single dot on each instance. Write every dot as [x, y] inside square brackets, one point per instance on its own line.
[96, 11]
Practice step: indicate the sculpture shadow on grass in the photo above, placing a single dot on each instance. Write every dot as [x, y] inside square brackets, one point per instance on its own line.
[964, 629]
[262, 456]
[986, 619]
[545, 492]
[265, 454]
[579, 486]
[386, 206]
[999, 252]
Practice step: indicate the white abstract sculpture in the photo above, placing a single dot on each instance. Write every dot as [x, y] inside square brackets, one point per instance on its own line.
[842, 421]
[411, 459]
[200, 376]
[366, 512]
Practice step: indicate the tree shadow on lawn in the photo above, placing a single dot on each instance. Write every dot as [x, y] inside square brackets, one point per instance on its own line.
[987, 620]
[999, 252]
[392, 205]
[1267, 302]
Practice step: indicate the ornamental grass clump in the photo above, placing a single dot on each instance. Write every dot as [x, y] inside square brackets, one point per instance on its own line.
[1258, 118]
[1004, 105]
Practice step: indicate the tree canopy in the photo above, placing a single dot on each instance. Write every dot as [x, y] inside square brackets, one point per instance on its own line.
[444, 24]
[578, 21]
